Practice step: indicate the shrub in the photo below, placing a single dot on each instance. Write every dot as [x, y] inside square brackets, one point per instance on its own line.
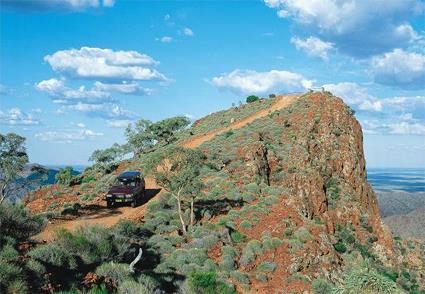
[340, 247]
[321, 286]
[240, 277]
[64, 176]
[55, 255]
[252, 98]
[133, 287]
[245, 224]
[268, 266]
[303, 235]
[117, 272]
[237, 237]
[250, 252]
[17, 223]
[207, 283]
[262, 277]
[228, 255]
[332, 191]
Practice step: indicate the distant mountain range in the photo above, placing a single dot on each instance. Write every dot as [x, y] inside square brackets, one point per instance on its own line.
[31, 179]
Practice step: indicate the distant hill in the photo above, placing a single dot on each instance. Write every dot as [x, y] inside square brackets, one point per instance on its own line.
[404, 213]
[31, 179]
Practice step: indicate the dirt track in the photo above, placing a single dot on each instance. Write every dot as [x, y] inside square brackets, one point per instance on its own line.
[108, 217]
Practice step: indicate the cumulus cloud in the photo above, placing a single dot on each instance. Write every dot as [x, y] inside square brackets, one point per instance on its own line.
[130, 88]
[56, 5]
[354, 95]
[393, 128]
[3, 90]
[68, 136]
[401, 69]
[166, 39]
[104, 111]
[65, 95]
[313, 47]
[16, 117]
[359, 28]
[188, 32]
[104, 64]
[252, 82]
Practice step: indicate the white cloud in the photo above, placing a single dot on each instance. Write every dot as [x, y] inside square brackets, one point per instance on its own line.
[80, 125]
[132, 88]
[400, 68]
[123, 123]
[105, 111]
[167, 17]
[394, 128]
[360, 28]
[56, 5]
[16, 117]
[64, 95]
[354, 95]
[313, 46]
[166, 39]
[37, 110]
[188, 32]
[68, 136]
[252, 82]
[104, 64]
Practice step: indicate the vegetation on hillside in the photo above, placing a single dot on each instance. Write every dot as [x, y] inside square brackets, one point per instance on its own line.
[229, 218]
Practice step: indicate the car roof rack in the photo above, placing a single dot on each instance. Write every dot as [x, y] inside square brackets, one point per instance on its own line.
[129, 174]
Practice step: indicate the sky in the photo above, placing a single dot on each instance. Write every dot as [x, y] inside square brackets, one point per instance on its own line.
[75, 73]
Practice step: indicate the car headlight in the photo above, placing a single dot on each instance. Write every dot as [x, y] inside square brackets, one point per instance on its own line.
[108, 196]
[129, 195]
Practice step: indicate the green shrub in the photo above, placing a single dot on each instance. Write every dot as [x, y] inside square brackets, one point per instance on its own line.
[250, 252]
[252, 98]
[237, 237]
[207, 283]
[18, 286]
[117, 272]
[303, 234]
[245, 224]
[55, 255]
[262, 277]
[16, 223]
[321, 286]
[228, 255]
[64, 176]
[267, 266]
[240, 277]
[332, 191]
[133, 287]
[340, 247]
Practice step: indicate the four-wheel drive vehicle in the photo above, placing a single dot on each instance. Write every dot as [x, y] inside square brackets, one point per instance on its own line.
[129, 187]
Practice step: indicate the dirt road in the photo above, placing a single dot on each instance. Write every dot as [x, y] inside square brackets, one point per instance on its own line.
[108, 217]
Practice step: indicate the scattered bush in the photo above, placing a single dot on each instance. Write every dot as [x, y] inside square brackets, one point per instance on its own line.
[267, 266]
[250, 252]
[252, 98]
[117, 272]
[207, 283]
[321, 286]
[340, 247]
[64, 176]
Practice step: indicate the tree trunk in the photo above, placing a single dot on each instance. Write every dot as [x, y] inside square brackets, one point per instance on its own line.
[179, 210]
[3, 193]
[192, 214]
[136, 260]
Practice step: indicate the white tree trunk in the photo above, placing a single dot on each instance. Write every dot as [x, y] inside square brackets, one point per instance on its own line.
[192, 213]
[136, 260]
[179, 210]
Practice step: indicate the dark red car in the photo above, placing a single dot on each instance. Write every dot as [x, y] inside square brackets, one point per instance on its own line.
[129, 187]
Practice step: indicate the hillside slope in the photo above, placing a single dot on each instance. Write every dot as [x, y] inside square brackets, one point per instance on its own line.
[286, 208]
[109, 217]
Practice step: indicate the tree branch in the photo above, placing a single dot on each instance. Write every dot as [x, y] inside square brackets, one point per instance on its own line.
[136, 260]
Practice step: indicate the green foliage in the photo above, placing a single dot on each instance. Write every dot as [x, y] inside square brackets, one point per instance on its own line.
[240, 277]
[17, 223]
[250, 252]
[117, 272]
[13, 158]
[64, 176]
[365, 279]
[321, 286]
[245, 224]
[252, 98]
[340, 247]
[267, 266]
[303, 234]
[207, 283]
[108, 156]
[332, 191]
[228, 255]
[54, 255]
[237, 237]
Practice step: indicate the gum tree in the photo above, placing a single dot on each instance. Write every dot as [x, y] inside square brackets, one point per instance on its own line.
[13, 158]
[178, 173]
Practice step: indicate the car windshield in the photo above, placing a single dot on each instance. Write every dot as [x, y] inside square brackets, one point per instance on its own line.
[125, 182]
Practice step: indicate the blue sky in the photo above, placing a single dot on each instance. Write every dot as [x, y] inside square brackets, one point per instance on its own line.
[74, 73]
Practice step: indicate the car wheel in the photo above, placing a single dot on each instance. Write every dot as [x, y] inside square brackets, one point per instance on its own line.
[109, 204]
[134, 203]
